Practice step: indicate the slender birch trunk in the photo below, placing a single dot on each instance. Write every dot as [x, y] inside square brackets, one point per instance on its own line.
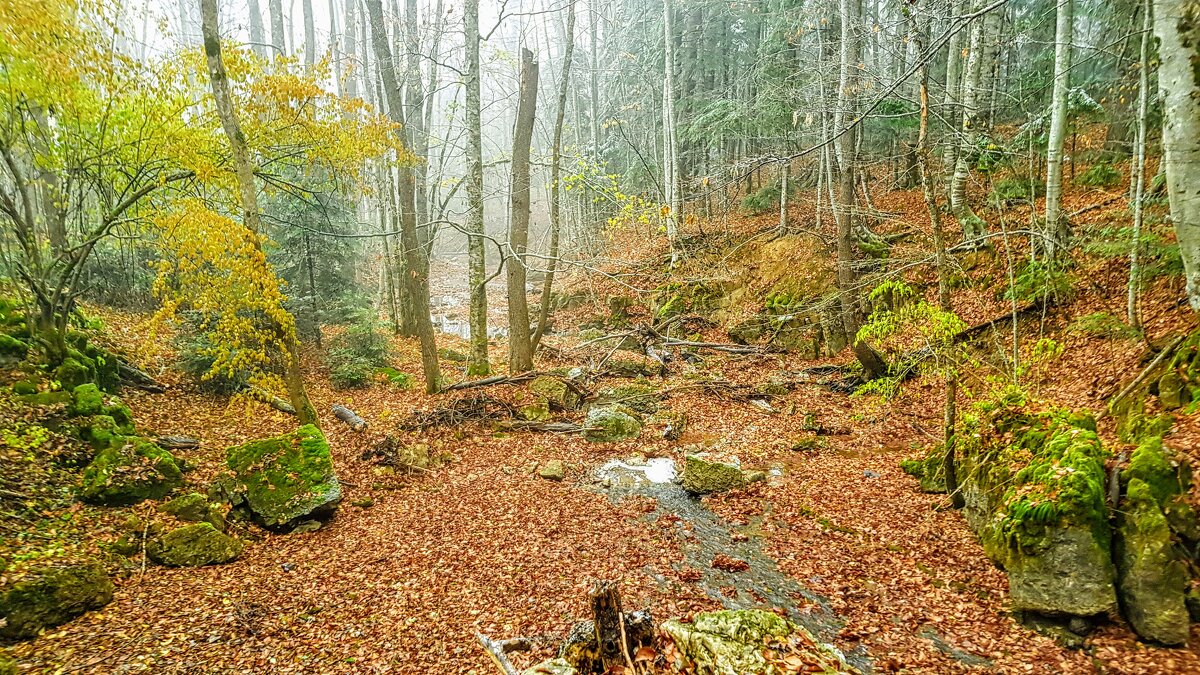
[670, 137]
[1139, 163]
[244, 170]
[1056, 231]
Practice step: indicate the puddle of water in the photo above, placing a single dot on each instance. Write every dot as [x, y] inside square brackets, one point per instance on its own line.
[657, 470]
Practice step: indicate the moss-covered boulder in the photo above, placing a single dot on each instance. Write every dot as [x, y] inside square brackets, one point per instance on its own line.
[193, 546]
[287, 479]
[25, 387]
[639, 396]
[128, 472]
[88, 400]
[702, 476]
[739, 642]
[1153, 576]
[195, 507]
[555, 392]
[47, 398]
[12, 348]
[1169, 478]
[74, 371]
[50, 596]
[101, 431]
[611, 424]
[1035, 491]
[686, 297]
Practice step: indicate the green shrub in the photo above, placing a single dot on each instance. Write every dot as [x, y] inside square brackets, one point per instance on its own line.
[1100, 174]
[1014, 189]
[396, 378]
[197, 353]
[1037, 281]
[765, 200]
[356, 354]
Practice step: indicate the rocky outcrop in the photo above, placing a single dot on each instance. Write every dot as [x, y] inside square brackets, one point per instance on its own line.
[556, 394]
[746, 642]
[287, 479]
[611, 424]
[50, 596]
[1034, 489]
[129, 471]
[638, 396]
[1153, 576]
[193, 546]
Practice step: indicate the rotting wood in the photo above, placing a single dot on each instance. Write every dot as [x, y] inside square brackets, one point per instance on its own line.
[496, 651]
[1142, 376]
[177, 442]
[138, 379]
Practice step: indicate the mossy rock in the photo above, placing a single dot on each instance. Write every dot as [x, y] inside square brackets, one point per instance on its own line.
[287, 479]
[126, 473]
[192, 507]
[638, 396]
[552, 470]
[1193, 603]
[749, 331]
[1072, 574]
[611, 424]
[51, 596]
[929, 470]
[193, 546]
[452, 355]
[536, 412]
[47, 398]
[88, 400]
[556, 393]
[105, 365]
[732, 642]
[74, 371]
[120, 413]
[1169, 478]
[12, 348]
[25, 387]
[1153, 576]
[702, 476]
[684, 297]
[101, 431]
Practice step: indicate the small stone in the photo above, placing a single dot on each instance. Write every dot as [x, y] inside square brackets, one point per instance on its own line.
[552, 470]
[703, 476]
[364, 503]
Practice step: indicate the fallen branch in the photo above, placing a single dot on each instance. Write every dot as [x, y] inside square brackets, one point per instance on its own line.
[496, 651]
[177, 442]
[271, 399]
[1142, 376]
[550, 427]
[489, 381]
[350, 417]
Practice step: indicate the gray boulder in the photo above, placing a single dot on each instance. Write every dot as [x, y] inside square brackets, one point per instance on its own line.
[1153, 578]
[193, 546]
[611, 424]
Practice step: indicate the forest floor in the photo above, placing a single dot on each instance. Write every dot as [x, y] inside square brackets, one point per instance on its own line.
[484, 545]
[414, 565]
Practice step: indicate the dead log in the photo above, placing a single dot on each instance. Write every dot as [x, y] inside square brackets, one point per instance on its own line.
[609, 620]
[138, 379]
[271, 399]
[177, 442]
[549, 427]
[350, 417]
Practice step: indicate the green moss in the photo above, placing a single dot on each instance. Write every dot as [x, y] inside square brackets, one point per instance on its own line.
[1153, 578]
[52, 596]
[101, 431]
[47, 398]
[73, 372]
[193, 507]
[25, 387]
[682, 297]
[639, 396]
[287, 477]
[703, 476]
[121, 414]
[88, 400]
[126, 473]
[930, 470]
[555, 392]
[1149, 464]
[194, 545]
[12, 347]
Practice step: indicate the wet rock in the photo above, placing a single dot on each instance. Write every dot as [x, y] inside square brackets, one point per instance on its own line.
[194, 546]
[1072, 574]
[51, 596]
[552, 470]
[1153, 578]
[126, 473]
[611, 424]
[551, 667]
[702, 476]
[287, 479]
[638, 396]
[732, 642]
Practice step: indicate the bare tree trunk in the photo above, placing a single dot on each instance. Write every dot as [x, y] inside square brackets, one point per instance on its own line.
[594, 84]
[350, 49]
[256, 30]
[1057, 231]
[950, 99]
[972, 225]
[844, 147]
[418, 141]
[520, 346]
[275, 8]
[1177, 25]
[477, 260]
[1139, 163]
[671, 185]
[244, 170]
[783, 200]
[310, 35]
[555, 175]
[416, 279]
[949, 462]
